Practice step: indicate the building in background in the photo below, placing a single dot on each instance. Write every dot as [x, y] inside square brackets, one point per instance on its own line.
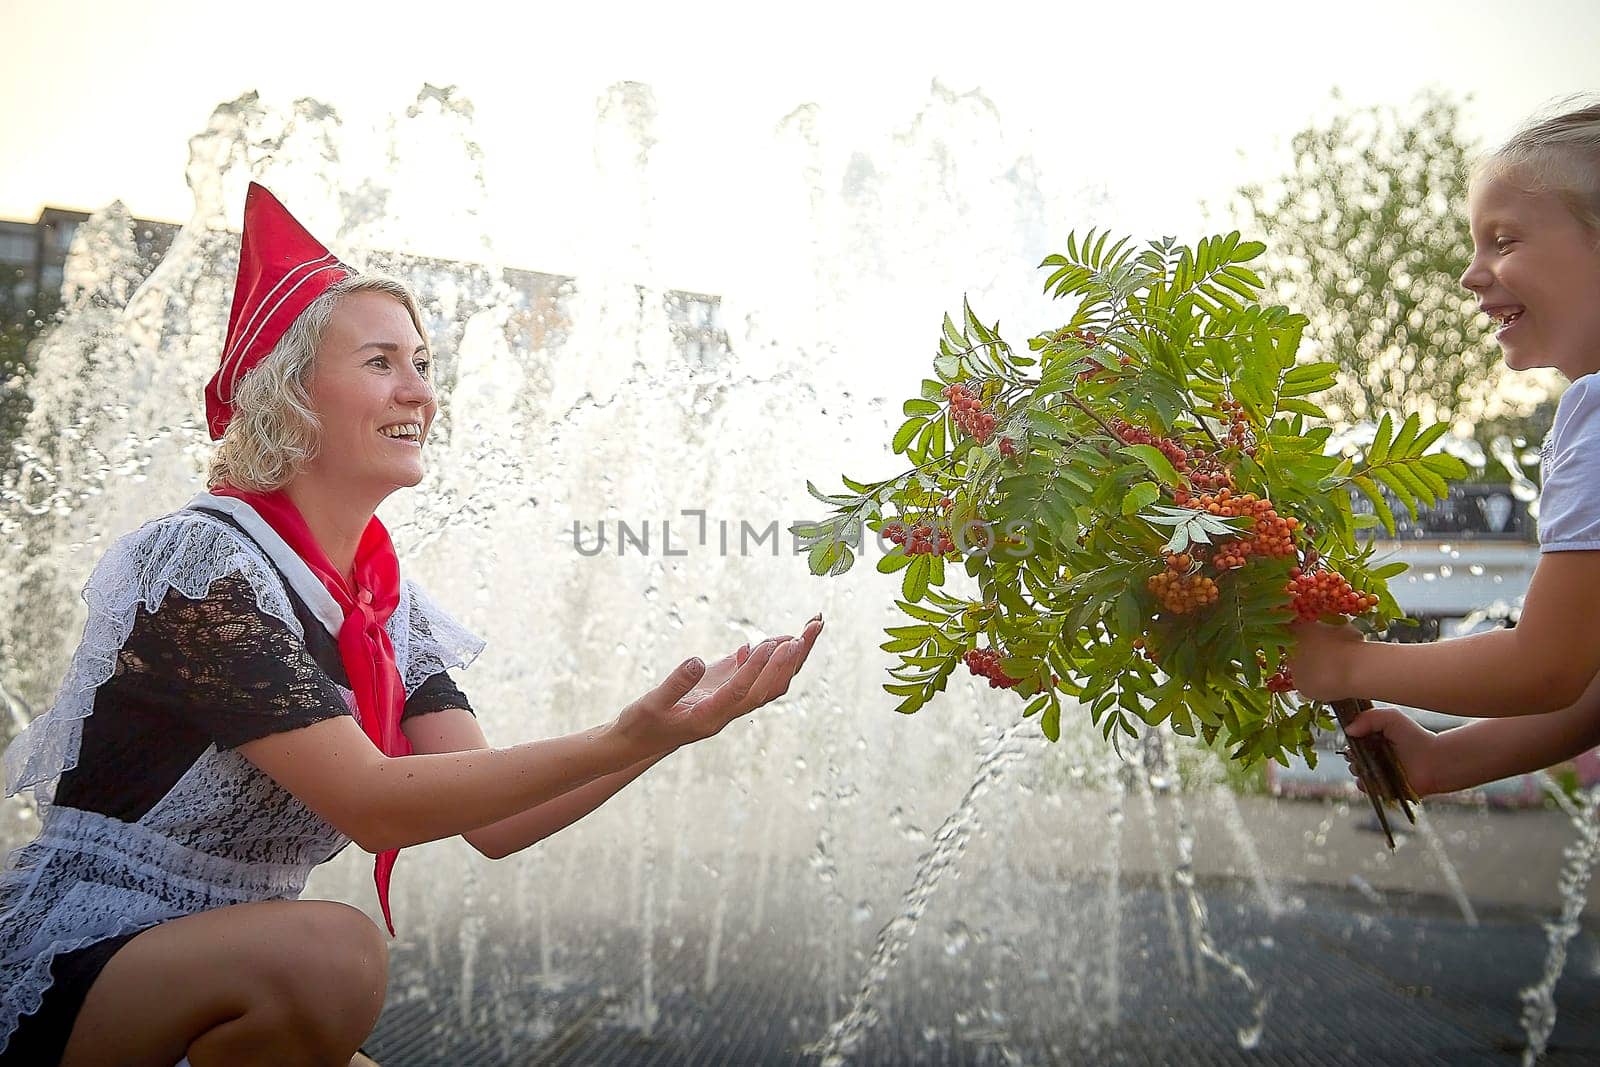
[33, 254]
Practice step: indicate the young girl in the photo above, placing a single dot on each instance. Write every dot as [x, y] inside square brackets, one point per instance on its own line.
[1535, 218]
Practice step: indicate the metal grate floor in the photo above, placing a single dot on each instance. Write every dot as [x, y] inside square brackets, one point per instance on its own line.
[1347, 983]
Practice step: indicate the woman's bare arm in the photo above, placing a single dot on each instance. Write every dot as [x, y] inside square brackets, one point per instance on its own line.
[382, 802]
[455, 730]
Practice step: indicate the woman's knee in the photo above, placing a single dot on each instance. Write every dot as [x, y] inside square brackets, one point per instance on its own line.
[347, 935]
[306, 975]
[336, 972]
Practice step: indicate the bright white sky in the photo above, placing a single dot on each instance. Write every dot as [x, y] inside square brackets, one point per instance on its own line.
[100, 98]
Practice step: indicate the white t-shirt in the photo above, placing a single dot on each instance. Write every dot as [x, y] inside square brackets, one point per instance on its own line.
[1569, 465]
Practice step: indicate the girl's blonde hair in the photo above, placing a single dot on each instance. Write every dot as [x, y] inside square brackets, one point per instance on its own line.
[1559, 155]
[274, 430]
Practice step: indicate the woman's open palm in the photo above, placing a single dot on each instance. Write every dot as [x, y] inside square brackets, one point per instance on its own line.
[673, 715]
[716, 674]
[735, 686]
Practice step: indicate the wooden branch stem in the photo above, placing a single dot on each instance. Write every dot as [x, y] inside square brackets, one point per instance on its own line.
[1378, 768]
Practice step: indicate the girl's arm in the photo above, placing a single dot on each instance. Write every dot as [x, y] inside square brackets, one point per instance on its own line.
[1486, 751]
[1543, 664]
[455, 730]
[1546, 662]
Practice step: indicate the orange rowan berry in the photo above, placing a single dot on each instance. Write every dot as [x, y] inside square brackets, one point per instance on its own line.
[985, 663]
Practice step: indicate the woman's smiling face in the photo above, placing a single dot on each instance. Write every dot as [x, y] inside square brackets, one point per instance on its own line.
[373, 374]
[1536, 270]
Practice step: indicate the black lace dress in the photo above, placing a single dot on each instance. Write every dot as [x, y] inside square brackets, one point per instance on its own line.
[158, 816]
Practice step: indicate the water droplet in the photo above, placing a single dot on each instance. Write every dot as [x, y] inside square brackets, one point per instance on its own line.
[956, 938]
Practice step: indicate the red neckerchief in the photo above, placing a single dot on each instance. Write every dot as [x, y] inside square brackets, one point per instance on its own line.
[364, 645]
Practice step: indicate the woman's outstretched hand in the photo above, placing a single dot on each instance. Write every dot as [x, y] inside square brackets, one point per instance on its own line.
[696, 701]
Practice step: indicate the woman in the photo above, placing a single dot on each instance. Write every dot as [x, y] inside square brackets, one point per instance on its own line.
[256, 687]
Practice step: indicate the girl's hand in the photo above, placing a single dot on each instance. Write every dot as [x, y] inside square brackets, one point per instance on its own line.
[694, 705]
[1415, 745]
[1323, 660]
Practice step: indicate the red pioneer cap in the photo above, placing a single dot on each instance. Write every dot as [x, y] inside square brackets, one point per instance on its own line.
[282, 269]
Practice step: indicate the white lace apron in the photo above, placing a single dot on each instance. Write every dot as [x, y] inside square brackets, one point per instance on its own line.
[225, 833]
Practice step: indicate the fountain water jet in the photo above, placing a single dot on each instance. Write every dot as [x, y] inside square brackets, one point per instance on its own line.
[949, 841]
[1577, 869]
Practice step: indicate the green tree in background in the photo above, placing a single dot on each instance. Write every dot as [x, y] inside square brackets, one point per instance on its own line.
[1367, 235]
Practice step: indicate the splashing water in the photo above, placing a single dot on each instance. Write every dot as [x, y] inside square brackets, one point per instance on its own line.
[1447, 869]
[1115, 818]
[1233, 819]
[1154, 769]
[1577, 869]
[949, 842]
[1248, 1034]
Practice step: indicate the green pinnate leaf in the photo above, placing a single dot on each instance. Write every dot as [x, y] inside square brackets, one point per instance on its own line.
[907, 432]
[1155, 462]
[1140, 497]
[1050, 722]
[915, 583]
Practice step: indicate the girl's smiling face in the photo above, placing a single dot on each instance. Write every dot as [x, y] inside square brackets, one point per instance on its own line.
[1536, 270]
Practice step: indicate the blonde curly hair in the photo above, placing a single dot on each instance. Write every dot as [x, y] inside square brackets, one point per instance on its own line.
[274, 430]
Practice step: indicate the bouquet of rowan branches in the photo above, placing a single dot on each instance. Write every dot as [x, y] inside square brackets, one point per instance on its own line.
[1145, 501]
